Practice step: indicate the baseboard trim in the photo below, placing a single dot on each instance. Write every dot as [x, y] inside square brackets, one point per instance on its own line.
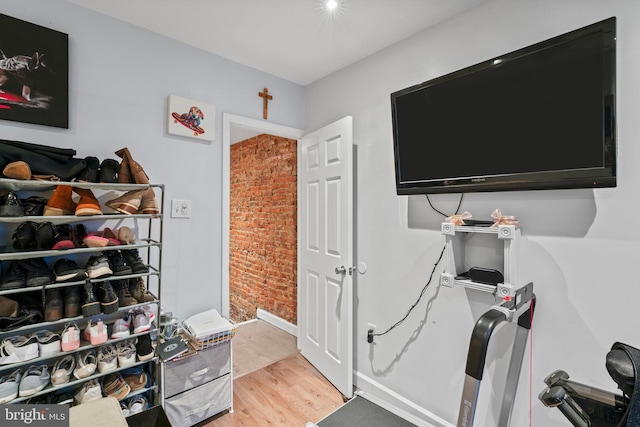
[277, 321]
[391, 401]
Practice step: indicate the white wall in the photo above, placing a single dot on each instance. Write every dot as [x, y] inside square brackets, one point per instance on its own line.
[579, 247]
[120, 77]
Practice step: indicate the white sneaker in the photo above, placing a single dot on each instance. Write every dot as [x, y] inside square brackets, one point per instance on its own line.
[89, 391]
[18, 349]
[96, 332]
[126, 353]
[70, 337]
[137, 404]
[86, 364]
[107, 358]
[141, 323]
[121, 327]
[62, 370]
[48, 343]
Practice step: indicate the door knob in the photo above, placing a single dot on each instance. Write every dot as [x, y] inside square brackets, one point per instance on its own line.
[341, 270]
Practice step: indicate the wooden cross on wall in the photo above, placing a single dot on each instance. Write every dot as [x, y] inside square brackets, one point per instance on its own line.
[265, 101]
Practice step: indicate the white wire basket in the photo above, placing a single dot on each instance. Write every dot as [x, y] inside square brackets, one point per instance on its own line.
[210, 340]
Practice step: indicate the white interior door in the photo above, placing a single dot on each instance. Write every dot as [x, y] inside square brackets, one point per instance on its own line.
[325, 252]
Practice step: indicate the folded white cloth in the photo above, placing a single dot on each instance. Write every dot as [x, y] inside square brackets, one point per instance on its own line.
[206, 323]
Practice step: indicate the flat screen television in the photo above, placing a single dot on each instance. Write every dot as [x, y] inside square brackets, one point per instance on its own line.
[541, 117]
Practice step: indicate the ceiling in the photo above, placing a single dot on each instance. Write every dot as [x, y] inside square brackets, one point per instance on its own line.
[297, 40]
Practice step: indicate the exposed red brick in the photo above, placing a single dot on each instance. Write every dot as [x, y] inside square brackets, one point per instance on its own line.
[263, 228]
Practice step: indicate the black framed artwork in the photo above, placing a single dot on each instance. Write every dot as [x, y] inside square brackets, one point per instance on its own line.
[34, 73]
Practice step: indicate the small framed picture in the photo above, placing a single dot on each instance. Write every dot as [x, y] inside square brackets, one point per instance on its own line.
[194, 119]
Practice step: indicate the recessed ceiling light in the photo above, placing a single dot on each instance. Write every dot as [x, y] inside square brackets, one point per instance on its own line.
[331, 5]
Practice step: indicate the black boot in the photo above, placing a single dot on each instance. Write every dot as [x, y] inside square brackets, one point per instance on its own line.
[91, 305]
[108, 298]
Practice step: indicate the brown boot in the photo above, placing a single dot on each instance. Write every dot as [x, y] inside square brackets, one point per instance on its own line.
[130, 170]
[60, 202]
[8, 307]
[148, 203]
[88, 204]
[128, 203]
[139, 291]
[122, 291]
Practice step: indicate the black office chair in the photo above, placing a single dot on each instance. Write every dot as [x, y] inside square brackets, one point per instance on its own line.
[586, 406]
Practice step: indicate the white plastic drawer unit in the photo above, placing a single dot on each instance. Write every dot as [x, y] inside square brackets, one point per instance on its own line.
[206, 366]
[198, 387]
[200, 403]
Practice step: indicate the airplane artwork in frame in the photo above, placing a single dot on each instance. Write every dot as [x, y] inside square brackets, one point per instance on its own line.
[34, 73]
[194, 119]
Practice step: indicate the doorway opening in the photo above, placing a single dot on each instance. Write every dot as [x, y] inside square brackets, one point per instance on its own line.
[259, 256]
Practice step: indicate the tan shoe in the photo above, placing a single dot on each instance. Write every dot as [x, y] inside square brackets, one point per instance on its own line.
[88, 204]
[17, 170]
[128, 203]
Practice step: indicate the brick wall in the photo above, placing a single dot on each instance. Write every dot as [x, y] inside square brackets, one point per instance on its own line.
[263, 228]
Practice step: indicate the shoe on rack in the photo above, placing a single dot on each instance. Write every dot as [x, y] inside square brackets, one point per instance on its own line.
[139, 290]
[90, 171]
[70, 337]
[61, 398]
[49, 343]
[86, 364]
[148, 203]
[38, 272]
[114, 386]
[72, 301]
[66, 270]
[117, 264]
[18, 349]
[96, 332]
[141, 322]
[136, 381]
[133, 260]
[63, 237]
[122, 291]
[11, 205]
[9, 385]
[124, 406]
[109, 171]
[130, 171]
[108, 298]
[24, 238]
[129, 203]
[126, 236]
[54, 305]
[61, 202]
[63, 369]
[98, 266]
[89, 391]
[122, 327]
[90, 302]
[34, 379]
[34, 205]
[137, 404]
[14, 276]
[46, 235]
[126, 353]
[78, 234]
[17, 170]
[88, 205]
[107, 358]
[144, 349]
[10, 307]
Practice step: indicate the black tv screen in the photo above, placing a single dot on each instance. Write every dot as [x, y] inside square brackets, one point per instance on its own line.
[541, 117]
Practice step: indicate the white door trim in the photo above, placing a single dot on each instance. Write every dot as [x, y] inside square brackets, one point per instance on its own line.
[230, 121]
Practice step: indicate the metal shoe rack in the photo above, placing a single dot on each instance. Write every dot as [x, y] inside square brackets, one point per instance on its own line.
[148, 230]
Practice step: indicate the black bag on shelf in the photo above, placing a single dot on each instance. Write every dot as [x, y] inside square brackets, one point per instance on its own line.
[42, 159]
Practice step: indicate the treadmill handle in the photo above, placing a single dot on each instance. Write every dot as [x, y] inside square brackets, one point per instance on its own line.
[480, 341]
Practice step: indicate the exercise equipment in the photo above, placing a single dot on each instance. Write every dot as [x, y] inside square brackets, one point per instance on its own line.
[518, 308]
[586, 406]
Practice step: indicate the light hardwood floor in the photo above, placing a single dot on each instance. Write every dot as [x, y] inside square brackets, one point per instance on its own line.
[286, 393]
